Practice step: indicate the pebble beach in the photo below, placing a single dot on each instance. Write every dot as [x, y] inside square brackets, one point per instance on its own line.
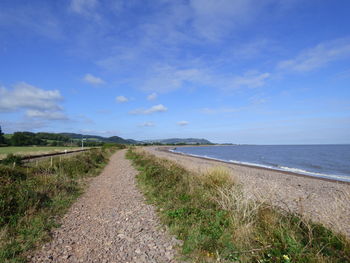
[320, 200]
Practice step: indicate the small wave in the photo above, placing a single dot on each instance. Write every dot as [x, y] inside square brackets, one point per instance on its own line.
[315, 174]
[277, 167]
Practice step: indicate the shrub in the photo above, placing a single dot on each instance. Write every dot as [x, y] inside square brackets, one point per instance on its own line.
[12, 159]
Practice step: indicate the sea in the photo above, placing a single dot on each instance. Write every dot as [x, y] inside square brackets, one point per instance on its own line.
[325, 161]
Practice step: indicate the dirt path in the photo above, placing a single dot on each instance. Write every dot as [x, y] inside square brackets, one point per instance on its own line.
[110, 223]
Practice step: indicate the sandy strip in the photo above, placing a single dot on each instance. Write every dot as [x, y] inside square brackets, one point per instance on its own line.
[323, 201]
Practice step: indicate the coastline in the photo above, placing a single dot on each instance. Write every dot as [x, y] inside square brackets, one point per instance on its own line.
[323, 200]
[324, 178]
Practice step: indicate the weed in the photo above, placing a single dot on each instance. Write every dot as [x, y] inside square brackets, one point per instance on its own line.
[12, 159]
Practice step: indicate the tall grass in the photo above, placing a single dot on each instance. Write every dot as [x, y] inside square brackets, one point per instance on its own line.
[219, 223]
[31, 199]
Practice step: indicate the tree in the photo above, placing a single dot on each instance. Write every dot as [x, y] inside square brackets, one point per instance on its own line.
[25, 138]
[2, 138]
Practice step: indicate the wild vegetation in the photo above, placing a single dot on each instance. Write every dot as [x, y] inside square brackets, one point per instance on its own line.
[33, 150]
[32, 198]
[2, 138]
[219, 223]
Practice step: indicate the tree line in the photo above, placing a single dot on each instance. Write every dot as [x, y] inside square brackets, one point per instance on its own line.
[41, 139]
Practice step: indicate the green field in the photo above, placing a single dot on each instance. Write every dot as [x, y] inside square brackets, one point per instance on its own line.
[33, 150]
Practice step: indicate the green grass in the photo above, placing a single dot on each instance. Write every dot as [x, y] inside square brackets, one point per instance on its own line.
[218, 223]
[32, 150]
[32, 197]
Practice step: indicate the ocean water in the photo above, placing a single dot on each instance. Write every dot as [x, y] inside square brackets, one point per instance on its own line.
[327, 161]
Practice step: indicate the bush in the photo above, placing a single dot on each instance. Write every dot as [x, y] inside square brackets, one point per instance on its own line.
[12, 159]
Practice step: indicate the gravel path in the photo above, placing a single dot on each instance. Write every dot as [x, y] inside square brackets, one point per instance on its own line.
[110, 223]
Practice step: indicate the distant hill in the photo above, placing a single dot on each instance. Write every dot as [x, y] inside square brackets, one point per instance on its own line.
[65, 138]
[113, 139]
[181, 141]
[117, 139]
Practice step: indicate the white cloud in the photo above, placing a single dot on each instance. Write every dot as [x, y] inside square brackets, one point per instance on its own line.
[182, 123]
[91, 79]
[152, 96]
[318, 56]
[24, 95]
[147, 124]
[83, 7]
[153, 109]
[121, 99]
[47, 115]
[38, 103]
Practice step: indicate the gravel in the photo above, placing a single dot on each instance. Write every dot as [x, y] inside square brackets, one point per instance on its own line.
[111, 222]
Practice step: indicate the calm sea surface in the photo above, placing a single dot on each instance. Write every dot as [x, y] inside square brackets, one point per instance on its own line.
[328, 161]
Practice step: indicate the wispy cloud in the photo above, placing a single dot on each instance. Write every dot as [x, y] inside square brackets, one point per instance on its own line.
[147, 124]
[91, 79]
[215, 20]
[47, 115]
[219, 110]
[37, 18]
[212, 19]
[249, 80]
[168, 78]
[153, 109]
[182, 123]
[152, 96]
[121, 99]
[83, 7]
[318, 56]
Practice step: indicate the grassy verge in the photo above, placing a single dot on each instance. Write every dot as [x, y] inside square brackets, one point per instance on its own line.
[218, 223]
[33, 150]
[32, 198]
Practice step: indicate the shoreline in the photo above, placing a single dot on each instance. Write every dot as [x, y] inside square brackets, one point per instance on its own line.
[168, 149]
[323, 200]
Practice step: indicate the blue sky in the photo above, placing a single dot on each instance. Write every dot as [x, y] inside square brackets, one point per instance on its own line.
[240, 71]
